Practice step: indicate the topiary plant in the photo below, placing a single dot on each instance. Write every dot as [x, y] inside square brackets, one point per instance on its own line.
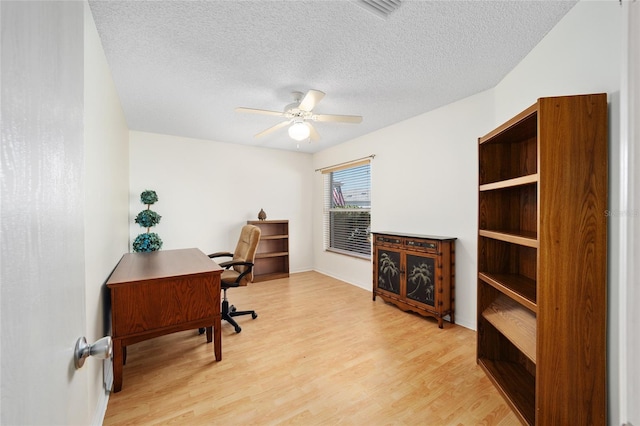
[150, 241]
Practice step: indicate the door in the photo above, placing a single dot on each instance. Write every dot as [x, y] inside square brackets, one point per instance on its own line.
[388, 271]
[42, 222]
[421, 278]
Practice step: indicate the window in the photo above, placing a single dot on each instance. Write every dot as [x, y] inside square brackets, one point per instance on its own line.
[347, 209]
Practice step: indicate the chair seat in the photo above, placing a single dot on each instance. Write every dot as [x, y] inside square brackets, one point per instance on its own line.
[229, 277]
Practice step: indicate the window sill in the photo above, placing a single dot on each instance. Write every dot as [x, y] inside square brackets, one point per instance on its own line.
[350, 254]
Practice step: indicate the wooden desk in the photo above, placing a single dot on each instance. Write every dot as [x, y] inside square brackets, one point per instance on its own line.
[163, 292]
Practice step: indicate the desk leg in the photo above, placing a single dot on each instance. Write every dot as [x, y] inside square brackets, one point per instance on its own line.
[117, 365]
[215, 333]
[217, 337]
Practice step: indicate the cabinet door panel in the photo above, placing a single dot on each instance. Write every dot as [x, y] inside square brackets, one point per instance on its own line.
[388, 262]
[421, 279]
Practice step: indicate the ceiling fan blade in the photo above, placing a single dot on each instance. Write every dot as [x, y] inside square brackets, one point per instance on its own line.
[313, 133]
[337, 118]
[259, 111]
[310, 100]
[273, 128]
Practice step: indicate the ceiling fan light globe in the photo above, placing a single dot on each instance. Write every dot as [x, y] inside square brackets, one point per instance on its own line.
[299, 131]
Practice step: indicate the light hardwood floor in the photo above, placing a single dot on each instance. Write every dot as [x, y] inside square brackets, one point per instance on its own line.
[321, 352]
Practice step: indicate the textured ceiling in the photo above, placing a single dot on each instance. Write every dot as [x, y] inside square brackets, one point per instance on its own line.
[181, 67]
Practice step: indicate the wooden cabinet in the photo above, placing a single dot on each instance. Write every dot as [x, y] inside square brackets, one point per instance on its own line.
[272, 256]
[415, 273]
[542, 253]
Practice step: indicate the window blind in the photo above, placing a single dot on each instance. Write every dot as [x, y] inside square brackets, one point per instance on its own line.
[347, 209]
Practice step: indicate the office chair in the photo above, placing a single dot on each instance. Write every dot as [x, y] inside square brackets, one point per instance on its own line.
[238, 271]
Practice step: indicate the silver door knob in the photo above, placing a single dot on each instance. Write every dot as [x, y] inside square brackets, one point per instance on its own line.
[100, 349]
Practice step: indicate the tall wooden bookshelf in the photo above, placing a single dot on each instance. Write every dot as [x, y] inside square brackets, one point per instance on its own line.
[542, 253]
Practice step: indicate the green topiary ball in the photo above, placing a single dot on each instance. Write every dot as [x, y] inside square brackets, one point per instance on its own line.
[148, 197]
[147, 242]
[148, 218]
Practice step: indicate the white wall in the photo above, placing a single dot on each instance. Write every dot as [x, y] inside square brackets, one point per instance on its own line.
[630, 221]
[424, 176]
[207, 190]
[424, 181]
[106, 198]
[583, 54]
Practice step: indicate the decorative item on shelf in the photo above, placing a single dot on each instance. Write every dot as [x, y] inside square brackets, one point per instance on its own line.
[149, 241]
[262, 215]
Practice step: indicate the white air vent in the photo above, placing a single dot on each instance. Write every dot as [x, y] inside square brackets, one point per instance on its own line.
[380, 8]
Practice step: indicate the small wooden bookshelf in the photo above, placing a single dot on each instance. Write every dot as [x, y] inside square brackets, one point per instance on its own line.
[272, 256]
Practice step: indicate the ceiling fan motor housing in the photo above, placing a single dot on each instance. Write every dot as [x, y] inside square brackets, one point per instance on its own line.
[298, 112]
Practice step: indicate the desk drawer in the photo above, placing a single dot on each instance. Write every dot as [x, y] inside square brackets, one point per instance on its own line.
[156, 304]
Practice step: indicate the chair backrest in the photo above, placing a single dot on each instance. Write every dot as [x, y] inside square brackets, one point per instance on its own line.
[246, 250]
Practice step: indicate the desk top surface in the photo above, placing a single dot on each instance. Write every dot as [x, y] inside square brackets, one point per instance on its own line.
[134, 267]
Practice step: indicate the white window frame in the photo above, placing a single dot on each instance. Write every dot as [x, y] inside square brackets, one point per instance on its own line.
[357, 241]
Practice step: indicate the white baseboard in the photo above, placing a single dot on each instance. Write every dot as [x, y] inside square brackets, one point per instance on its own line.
[101, 409]
[103, 400]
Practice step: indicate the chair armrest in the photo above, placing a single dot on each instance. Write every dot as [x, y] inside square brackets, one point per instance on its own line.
[220, 254]
[225, 265]
[235, 263]
[238, 263]
[229, 263]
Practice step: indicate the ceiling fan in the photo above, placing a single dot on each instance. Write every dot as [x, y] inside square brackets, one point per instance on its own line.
[299, 114]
